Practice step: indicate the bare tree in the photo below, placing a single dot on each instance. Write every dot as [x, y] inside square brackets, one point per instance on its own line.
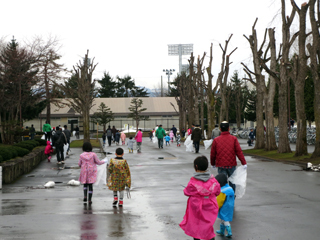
[314, 51]
[223, 78]
[299, 75]
[81, 97]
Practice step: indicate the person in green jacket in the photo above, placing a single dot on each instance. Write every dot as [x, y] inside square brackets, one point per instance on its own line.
[160, 133]
[47, 131]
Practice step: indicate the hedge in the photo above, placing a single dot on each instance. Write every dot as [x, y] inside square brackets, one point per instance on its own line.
[5, 153]
[41, 142]
[20, 151]
[24, 145]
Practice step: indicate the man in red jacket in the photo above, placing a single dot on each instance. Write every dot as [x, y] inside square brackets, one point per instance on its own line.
[224, 150]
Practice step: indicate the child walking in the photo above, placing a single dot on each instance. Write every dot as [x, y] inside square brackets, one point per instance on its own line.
[202, 207]
[171, 134]
[167, 138]
[226, 205]
[123, 138]
[119, 178]
[130, 144]
[178, 139]
[48, 150]
[88, 174]
[104, 136]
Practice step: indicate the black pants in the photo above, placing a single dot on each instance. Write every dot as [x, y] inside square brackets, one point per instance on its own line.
[59, 151]
[109, 140]
[160, 142]
[47, 136]
[196, 145]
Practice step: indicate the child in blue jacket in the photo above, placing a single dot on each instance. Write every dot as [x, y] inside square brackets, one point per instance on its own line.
[226, 205]
[167, 138]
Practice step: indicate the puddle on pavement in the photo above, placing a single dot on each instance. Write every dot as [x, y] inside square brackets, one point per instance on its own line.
[14, 207]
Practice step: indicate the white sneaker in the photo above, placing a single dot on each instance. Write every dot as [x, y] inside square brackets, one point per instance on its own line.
[59, 162]
[62, 162]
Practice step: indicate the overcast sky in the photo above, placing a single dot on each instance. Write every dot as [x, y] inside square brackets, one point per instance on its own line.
[131, 37]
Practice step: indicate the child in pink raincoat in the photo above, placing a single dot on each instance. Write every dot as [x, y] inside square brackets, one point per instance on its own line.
[48, 150]
[123, 138]
[202, 207]
[171, 134]
[88, 175]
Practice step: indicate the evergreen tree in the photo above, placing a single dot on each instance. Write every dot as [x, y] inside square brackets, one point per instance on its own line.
[250, 110]
[126, 88]
[103, 116]
[108, 86]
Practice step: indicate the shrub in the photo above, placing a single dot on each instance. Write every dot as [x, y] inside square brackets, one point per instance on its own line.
[1, 160]
[5, 153]
[33, 141]
[41, 142]
[20, 151]
[24, 145]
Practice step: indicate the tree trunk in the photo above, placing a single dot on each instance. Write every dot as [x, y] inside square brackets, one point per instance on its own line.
[86, 129]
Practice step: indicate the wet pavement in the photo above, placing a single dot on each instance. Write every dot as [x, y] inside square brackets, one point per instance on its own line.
[281, 201]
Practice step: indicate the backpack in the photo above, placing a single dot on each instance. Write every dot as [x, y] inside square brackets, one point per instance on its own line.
[60, 141]
[109, 133]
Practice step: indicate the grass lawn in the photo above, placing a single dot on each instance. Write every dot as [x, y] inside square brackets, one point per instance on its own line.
[283, 157]
[79, 143]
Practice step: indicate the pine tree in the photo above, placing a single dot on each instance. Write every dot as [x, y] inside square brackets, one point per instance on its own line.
[108, 86]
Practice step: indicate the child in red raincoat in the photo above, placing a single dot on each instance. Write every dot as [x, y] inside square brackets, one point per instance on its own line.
[202, 207]
[48, 150]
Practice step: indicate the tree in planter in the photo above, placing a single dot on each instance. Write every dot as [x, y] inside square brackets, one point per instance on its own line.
[136, 110]
[81, 92]
[103, 116]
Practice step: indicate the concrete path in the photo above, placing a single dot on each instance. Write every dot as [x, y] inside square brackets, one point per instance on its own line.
[281, 201]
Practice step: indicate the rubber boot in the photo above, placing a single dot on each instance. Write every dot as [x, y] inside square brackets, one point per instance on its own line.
[229, 232]
[222, 228]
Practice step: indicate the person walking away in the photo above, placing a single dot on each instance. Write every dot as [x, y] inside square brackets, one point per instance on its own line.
[183, 133]
[138, 138]
[67, 133]
[160, 133]
[171, 134]
[174, 130]
[119, 178]
[202, 207]
[226, 205]
[215, 132]
[130, 144]
[224, 150]
[150, 135]
[47, 131]
[88, 162]
[292, 122]
[178, 139]
[77, 132]
[251, 137]
[104, 137]
[117, 137]
[48, 150]
[109, 135]
[167, 139]
[114, 130]
[196, 137]
[123, 138]
[32, 132]
[58, 141]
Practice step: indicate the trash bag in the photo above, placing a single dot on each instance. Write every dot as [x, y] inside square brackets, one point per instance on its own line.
[65, 148]
[101, 175]
[239, 178]
[43, 137]
[154, 140]
[74, 133]
[207, 143]
[188, 140]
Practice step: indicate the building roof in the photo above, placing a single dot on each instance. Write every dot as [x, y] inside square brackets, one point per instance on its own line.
[119, 106]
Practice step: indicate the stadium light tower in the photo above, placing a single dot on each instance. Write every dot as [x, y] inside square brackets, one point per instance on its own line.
[168, 72]
[180, 49]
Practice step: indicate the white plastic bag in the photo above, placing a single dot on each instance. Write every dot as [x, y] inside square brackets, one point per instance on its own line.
[189, 144]
[65, 148]
[154, 140]
[239, 178]
[101, 175]
[74, 133]
[43, 137]
[207, 143]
